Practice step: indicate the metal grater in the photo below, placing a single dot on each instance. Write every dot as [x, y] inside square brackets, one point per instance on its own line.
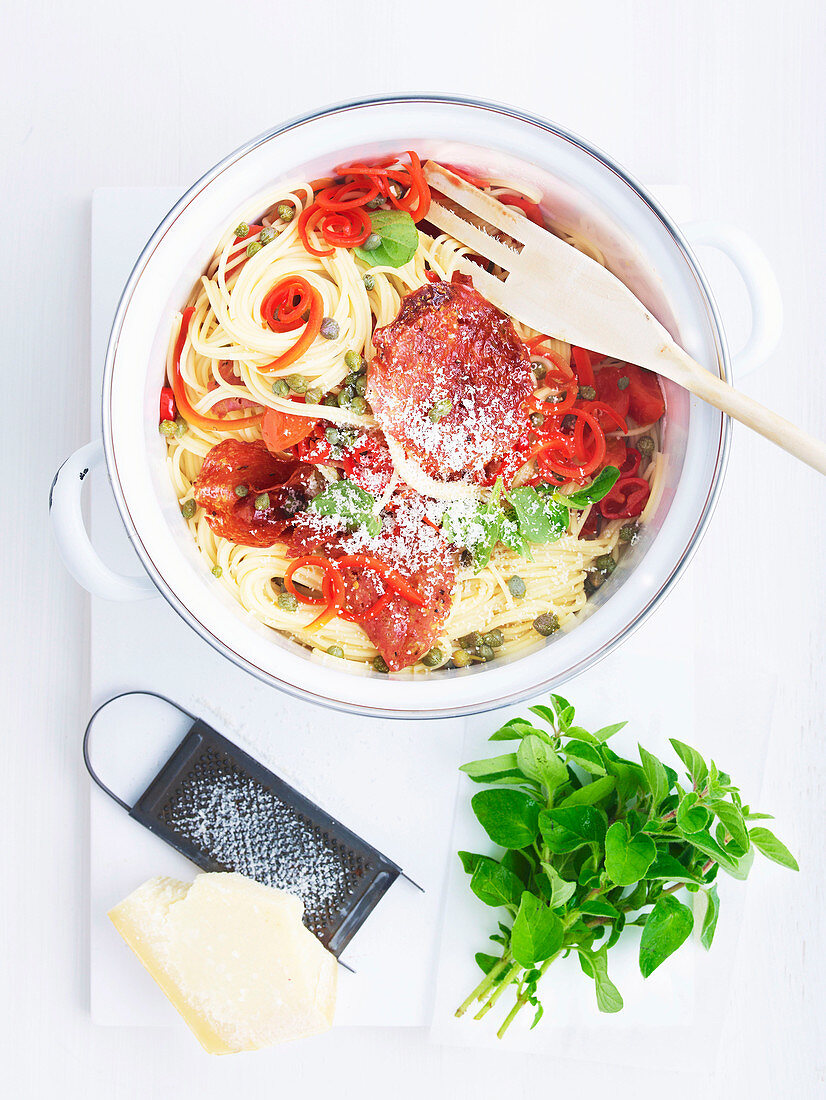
[226, 812]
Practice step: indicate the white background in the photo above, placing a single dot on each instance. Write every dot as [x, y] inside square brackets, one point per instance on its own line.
[725, 97]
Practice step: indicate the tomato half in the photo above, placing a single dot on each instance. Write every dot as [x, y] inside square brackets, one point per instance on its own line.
[281, 430]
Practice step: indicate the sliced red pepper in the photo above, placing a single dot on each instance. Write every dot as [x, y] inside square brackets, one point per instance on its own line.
[284, 292]
[210, 423]
[168, 410]
[646, 401]
[582, 362]
[626, 499]
[611, 390]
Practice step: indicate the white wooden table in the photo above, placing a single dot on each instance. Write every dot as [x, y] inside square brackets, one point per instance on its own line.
[725, 98]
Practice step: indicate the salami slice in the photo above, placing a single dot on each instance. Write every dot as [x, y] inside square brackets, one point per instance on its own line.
[448, 380]
[235, 474]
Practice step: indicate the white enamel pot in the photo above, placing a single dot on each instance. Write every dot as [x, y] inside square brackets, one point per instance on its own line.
[583, 189]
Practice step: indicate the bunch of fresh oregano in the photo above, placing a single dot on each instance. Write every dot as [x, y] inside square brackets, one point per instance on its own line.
[594, 844]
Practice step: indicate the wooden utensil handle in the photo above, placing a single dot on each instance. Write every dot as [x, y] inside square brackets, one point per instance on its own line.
[748, 411]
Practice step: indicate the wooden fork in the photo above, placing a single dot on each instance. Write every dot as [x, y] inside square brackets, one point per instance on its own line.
[557, 290]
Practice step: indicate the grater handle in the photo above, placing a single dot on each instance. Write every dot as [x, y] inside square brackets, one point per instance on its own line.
[76, 549]
[87, 739]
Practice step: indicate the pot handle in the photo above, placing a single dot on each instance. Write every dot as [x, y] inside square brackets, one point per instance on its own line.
[761, 285]
[76, 550]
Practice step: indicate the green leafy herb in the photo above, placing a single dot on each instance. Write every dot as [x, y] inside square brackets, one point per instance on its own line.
[538, 520]
[595, 843]
[477, 529]
[398, 235]
[602, 484]
[348, 502]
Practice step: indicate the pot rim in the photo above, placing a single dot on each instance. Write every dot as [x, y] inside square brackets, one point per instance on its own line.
[520, 693]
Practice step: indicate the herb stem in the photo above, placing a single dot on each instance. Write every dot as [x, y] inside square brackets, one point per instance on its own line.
[497, 993]
[485, 984]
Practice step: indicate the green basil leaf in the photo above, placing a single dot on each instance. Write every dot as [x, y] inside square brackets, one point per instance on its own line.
[348, 502]
[692, 818]
[586, 822]
[668, 926]
[591, 792]
[539, 520]
[470, 861]
[486, 963]
[537, 760]
[518, 863]
[479, 529]
[602, 484]
[516, 729]
[732, 818]
[494, 765]
[510, 818]
[697, 768]
[595, 965]
[609, 731]
[548, 715]
[710, 918]
[627, 858]
[596, 907]
[655, 777]
[399, 239]
[668, 869]
[537, 932]
[494, 884]
[561, 890]
[766, 842]
[586, 756]
[709, 847]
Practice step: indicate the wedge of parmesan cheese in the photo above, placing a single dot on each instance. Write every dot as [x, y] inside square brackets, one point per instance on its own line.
[234, 959]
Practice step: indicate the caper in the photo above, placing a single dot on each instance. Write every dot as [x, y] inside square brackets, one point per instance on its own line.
[312, 397]
[368, 280]
[217, 571]
[188, 509]
[516, 587]
[375, 203]
[241, 490]
[358, 406]
[622, 383]
[241, 230]
[361, 385]
[461, 658]
[280, 388]
[537, 419]
[495, 639]
[554, 398]
[266, 235]
[345, 397]
[181, 427]
[329, 328]
[628, 532]
[332, 435]
[253, 247]
[568, 422]
[593, 581]
[287, 601]
[546, 624]
[286, 211]
[167, 428]
[379, 664]
[471, 641]
[330, 400]
[335, 651]
[587, 393]
[353, 361]
[440, 409]
[262, 502]
[540, 370]
[605, 564]
[372, 243]
[645, 445]
[485, 652]
[297, 383]
[432, 658]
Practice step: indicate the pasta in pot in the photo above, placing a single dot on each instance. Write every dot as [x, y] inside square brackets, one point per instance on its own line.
[228, 366]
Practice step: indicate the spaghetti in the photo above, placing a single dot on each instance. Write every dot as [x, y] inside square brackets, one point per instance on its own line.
[355, 526]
